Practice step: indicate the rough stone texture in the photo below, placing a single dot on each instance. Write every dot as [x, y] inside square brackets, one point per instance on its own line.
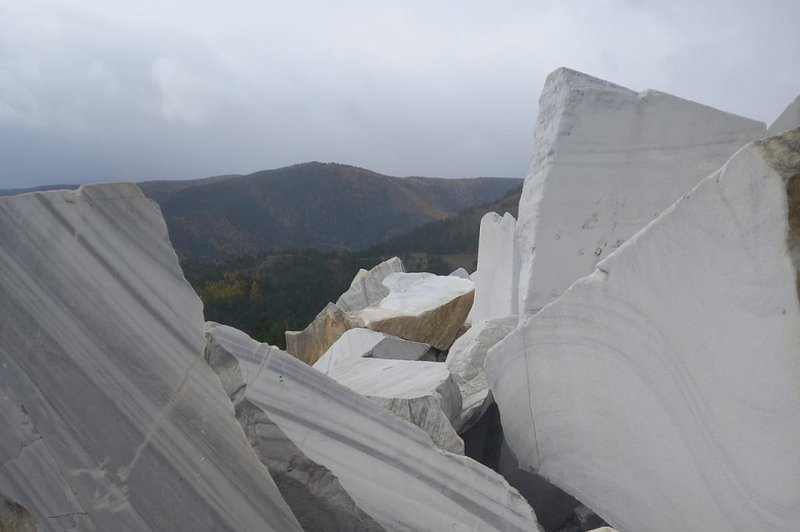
[311, 343]
[367, 288]
[497, 276]
[111, 419]
[314, 494]
[422, 307]
[465, 362]
[422, 393]
[789, 119]
[606, 162]
[364, 343]
[390, 467]
[662, 388]
[15, 518]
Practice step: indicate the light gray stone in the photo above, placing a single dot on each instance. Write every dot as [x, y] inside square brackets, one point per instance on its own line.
[662, 389]
[328, 326]
[111, 419]
[367, 289]
[422, 393]
[365, 343]
[606, 162]
[497, 276]
[314, 494]
[788, 119]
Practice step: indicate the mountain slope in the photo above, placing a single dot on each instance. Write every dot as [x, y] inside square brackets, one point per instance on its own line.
[312, 205]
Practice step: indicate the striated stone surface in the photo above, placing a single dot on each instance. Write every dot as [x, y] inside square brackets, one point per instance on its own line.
[662, 389]
[314, 494]
[465, 362]
[789, 119]
[365, 343]
[311, 343]
[606, 162]
[390, 467]
[367, 288]
[497, 276]
[422, 307]
[422, 393]
[111, 419]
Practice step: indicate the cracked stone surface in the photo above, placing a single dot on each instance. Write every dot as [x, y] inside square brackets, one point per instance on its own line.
[111, 418]
[662, 389]
[314, 493]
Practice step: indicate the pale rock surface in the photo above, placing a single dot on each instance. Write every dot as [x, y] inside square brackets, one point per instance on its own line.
[662, 389]
[110, 418]
[365, 343]
[422, 393]
[314, 494]
[367, 289]
[328, 326]
[390, 467]
[422, 307]
[465, 362]
[460, 272]
[497, 276]
[606, 162]
[789, 119]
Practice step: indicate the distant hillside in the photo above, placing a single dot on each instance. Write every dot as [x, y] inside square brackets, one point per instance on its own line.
[312, 205]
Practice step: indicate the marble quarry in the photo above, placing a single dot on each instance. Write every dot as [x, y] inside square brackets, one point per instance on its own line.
[626, 354]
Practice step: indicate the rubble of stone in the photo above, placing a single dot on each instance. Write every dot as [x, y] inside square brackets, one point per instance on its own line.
[111, 418]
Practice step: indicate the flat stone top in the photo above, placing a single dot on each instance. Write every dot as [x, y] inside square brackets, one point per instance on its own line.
[416, 293]
[403, 379]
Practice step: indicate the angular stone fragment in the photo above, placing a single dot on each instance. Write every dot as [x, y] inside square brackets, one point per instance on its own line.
[606, 161]
[367, 288]
[422, 393]
[314, 494]
[465, 362]
[497, 276]
[364, 343]
[661, 390]
[789, 119]
[390, 467]
[110, 418]
[422, 307]
[312, 342]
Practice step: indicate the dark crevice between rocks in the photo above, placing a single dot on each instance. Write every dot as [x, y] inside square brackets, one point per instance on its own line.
[556, 510]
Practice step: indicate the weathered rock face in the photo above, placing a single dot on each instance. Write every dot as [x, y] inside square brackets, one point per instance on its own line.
[497, 276]
[465, 362]
[314, 493]
[364, 343]
[111, 419]
[311, 343]
[390, 467]
[789, 119]
[422, 307]
[15, 518]
[663, 386]
[422, 393]
[367, 288]
[606, 161]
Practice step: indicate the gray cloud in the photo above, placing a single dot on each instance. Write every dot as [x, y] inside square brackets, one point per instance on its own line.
[95, 90]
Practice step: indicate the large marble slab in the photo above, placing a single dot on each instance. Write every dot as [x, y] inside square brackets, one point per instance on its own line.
[497, 276]
[422, 393]
[422, 307]
[390, 467]
[111, 419]
[662, 389]
[314, 494]
[365, 343]
[312, 342]
[607, 160]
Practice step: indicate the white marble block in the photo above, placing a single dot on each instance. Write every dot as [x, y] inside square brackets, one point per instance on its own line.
[497, 276]
[662, 390]
[111, 419]
[367, 288]
[365, 343]
[606, 162]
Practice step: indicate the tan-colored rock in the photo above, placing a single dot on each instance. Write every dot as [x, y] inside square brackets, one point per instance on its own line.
[422, 307]
[311, 343]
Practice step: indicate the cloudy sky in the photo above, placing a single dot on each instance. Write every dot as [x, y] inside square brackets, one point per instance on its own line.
[100, 90]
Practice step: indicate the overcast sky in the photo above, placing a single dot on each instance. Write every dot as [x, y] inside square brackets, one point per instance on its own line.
[103, 90]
